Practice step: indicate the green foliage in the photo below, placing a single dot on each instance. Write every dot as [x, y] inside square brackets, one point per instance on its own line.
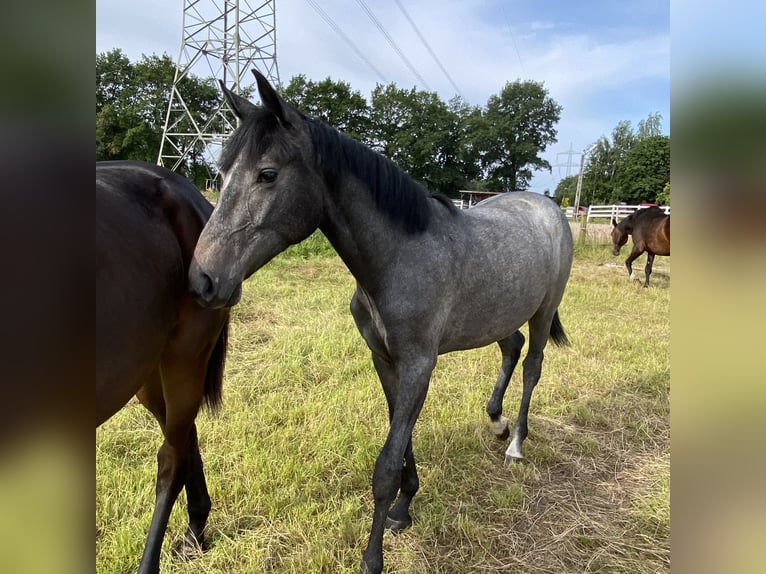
[131, 104]
[614, 172]
[519, 125]
[566, 191]
[663, 198]
[598, 178]
[644, 171]
[446, 146]
[332, 102]
[316, 245]
[422, 135]
[650, 127]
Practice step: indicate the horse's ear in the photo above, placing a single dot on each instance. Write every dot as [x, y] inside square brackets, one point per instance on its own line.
[614, 222]
[239, 105]
[271, 99]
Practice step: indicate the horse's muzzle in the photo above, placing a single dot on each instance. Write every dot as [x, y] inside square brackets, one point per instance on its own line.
[211, 292]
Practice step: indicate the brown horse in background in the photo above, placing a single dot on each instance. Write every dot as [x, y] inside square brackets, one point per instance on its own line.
[153, 340]
[650, 229]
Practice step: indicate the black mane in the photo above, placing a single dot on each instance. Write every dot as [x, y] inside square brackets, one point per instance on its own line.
[396, 194]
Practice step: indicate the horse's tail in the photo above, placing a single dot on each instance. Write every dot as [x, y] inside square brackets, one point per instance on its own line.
[558, 336]
[214, 377]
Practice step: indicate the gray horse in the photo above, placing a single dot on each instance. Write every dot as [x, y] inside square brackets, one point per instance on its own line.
[430, 278]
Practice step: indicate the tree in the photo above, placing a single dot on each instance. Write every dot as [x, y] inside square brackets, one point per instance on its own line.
[598, 179]
[518, 126]
[663, 198]
[608, 158]
[650, 127]
[332, 102]
[421, 134]
[566, 190]
[131, 103]
[644, 172]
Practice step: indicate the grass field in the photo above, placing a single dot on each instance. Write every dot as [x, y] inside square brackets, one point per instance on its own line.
[290, 456]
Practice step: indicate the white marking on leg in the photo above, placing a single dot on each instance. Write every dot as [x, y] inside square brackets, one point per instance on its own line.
[514, 451]
[500, 426]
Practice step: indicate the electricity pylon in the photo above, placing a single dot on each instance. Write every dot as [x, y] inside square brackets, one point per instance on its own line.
[222, 39]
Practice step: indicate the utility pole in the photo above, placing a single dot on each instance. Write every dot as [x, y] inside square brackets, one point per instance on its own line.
[579, 181]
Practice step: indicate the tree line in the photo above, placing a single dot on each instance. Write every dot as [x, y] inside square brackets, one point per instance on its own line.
[633, 166]
[447, 146]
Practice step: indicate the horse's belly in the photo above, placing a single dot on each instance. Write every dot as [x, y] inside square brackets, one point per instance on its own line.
[471, 328]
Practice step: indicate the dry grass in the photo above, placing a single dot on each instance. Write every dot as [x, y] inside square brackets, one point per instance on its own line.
[290, 458]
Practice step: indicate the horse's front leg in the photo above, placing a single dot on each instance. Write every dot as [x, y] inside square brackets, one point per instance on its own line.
[634, 254]
[399, 516]
[414, 376]
[648, 268]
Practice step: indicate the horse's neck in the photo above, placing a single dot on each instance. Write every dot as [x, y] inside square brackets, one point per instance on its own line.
[362, 235]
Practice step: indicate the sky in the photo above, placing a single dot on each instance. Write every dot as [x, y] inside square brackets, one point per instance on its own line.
[602, 61]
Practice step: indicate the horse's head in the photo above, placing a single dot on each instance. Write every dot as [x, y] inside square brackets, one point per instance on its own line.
[271, 196]
[619, 237]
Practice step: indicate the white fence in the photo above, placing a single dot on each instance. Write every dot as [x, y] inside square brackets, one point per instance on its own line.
[610, 211]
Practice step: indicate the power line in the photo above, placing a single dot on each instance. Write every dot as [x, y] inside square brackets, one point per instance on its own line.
[428, 47]
[331, 23]
[513, 39]
[391, 42]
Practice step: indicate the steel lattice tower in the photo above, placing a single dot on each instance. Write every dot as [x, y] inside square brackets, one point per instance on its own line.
[223, 39]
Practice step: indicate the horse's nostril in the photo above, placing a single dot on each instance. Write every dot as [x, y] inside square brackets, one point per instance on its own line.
[205, 286]
[200, 283]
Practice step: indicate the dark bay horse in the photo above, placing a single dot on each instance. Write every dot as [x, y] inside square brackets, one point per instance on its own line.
[153, 340]
[430, 278]
[650, 228]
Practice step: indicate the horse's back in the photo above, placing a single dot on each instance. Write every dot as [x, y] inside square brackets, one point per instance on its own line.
[517, 248]
[527, 222]
[651, 228]
[148, 220]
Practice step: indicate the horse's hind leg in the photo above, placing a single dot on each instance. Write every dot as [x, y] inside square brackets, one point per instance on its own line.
[150, 395]
[511, 350]
[648, 268]
[539, 331]
[198, 499]
[182, 394]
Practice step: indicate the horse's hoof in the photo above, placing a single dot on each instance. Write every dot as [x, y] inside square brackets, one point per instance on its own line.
[396, 526]
[190, 548]
[188, 552]
[513, 459]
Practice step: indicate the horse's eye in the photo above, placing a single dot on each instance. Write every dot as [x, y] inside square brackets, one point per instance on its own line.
[267, 175]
